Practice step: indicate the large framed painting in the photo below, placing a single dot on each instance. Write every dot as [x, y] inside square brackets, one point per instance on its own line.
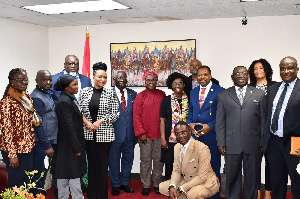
[162, 57]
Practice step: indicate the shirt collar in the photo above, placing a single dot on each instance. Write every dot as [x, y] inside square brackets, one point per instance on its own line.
[237, 88]
[207, 86]
[66, 73]
[118, 90]
[291, 85]
[187, 144]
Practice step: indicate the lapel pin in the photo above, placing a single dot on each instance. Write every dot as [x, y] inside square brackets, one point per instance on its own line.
[212, 89]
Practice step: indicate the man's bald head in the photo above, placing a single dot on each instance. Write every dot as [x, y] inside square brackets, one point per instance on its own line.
[194, 65]
[44, 79]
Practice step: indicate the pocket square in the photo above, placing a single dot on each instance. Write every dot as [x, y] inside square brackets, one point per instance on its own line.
[255, 101]
[192, 160]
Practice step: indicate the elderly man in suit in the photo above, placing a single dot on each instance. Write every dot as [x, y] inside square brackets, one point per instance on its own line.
[239, 127]
[71, 66]
[124, 138]
[202, 113]
[192, 175]
[283, 105]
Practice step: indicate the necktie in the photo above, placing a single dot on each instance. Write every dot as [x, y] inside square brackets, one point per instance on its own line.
[182, 153]
[201, 99]
[274, 125]
[241, 96]
[123, 101]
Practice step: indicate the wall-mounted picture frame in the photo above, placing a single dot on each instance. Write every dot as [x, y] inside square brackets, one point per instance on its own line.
[162, 57]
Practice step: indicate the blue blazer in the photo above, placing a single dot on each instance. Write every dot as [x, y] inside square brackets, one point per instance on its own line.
[124, 125]
[207, 114]
[84, 80]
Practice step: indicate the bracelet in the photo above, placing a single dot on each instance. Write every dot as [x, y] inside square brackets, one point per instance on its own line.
[171, 186]
[179, 190]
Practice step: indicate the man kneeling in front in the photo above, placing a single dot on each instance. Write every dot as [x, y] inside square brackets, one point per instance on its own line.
[192, 175]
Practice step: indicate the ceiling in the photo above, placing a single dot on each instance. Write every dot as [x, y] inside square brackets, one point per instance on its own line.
[149, 11]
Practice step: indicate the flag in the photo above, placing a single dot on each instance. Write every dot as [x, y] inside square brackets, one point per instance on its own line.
[86, 55]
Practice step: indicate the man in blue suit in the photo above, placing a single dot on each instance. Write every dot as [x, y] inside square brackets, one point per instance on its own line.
[202, 115]
[124, 138]
[71, 66]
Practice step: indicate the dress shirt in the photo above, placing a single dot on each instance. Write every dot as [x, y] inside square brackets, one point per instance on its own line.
[206, 90]
[290, 87]
[79, 84]
[186, 146]
[238, 92]
[119, 94]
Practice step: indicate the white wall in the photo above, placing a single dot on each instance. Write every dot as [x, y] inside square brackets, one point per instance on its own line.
[222, 44]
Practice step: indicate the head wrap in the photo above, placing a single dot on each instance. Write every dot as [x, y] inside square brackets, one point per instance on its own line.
[63, 82]
[149, 73]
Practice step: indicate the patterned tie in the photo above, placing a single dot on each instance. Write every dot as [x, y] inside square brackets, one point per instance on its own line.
[241, 96]
[182, 154]
[274, 125]
[201, 99]
[123, 101]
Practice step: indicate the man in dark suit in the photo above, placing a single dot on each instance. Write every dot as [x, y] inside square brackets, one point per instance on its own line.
[283, 105]
[124, 138]
[206, 97]
[239, 127]
[192, 176]
[71, 66]
[192, 79]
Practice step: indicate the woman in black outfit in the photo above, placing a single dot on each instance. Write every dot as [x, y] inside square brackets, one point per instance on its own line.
[100, 109]
[68, 163]
[174, 108]
[261, 72]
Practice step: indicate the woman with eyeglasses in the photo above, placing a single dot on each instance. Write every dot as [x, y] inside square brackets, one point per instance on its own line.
[100, 109]
[260, 72]
[146, 125]
[17, 119]
[174, 108]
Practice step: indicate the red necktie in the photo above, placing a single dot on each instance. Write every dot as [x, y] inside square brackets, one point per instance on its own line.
[123, 101]
[201, 100]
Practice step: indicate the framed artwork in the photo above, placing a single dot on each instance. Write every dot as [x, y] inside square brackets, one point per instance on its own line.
[162, 57]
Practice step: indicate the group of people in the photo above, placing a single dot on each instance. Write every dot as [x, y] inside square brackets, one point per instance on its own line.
[88, 129]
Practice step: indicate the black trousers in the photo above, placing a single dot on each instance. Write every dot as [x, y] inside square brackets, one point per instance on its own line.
[97, 154]
[282, 164]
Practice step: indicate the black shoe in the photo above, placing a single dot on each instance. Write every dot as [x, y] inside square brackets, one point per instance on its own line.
[156, 190]
[84, 188]
[145, 191]
[126, 188]
[115, 191]
[56, 193]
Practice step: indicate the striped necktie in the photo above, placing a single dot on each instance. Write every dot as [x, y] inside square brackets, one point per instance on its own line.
[201, 99]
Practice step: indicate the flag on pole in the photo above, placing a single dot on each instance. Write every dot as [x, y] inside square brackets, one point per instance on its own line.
[86, 55]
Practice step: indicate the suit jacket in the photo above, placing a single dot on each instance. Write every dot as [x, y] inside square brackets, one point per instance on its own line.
[207, 114]
[239, 127]
[187, 89]
[124, 125]
[291, 122]
[108, 111]
[70, 140]
[84, 80]
[195, 168]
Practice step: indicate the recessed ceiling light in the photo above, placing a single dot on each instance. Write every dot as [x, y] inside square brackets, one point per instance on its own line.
[249, 0]
[76, 7]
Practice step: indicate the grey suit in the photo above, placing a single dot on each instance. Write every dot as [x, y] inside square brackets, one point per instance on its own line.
[239, 128]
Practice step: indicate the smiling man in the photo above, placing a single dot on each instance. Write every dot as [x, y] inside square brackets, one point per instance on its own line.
[202, 113]
[282, 123]
[71, 67]
[239, 127]
[192, 175]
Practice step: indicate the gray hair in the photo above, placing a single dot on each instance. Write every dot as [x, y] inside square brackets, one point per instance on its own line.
[117, 71]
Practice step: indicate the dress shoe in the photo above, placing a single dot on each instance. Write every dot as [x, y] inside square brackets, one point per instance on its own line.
[145, 191]
[126, 188]
[115, 191]
[156, 190]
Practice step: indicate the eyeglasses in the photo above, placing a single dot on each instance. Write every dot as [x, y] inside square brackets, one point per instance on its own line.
[72, 63]
[177, 83]
[150, 80]
[241, 74]
[22, 80]
[180, 133]
[121, 78]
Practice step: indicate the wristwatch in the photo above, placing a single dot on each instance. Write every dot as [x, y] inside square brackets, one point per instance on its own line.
[171, 186]
[179, 190]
